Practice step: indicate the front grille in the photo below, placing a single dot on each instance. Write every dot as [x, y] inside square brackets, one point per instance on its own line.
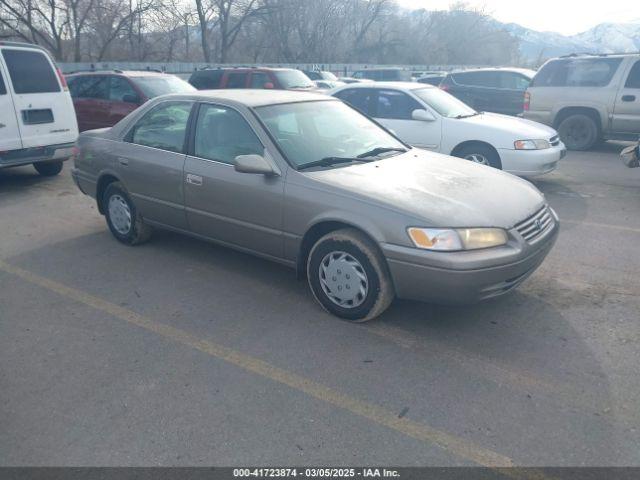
[536, 225]
[555, 140]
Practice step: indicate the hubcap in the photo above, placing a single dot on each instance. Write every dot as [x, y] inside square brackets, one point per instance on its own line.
[119, 214]
[477, 158]
[343, 279]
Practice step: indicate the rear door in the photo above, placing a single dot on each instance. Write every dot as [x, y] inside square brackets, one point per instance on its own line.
[42, 106]
[90, 95]
[151, 162]
[626, 116]
[9, 131]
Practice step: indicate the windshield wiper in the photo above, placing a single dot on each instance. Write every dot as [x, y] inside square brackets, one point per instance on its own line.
[380, 150]
[468, 115]
[328, 161]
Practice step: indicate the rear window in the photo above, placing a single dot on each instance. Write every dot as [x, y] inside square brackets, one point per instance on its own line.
[30, 71]
[577, 72]
[206, 80]
[476, 79]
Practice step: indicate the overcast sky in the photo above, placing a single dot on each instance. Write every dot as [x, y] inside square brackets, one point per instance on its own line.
[564, 16]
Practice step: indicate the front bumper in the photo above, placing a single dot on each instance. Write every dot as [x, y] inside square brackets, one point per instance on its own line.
[27, 156]
[466, 277]
[528, 163]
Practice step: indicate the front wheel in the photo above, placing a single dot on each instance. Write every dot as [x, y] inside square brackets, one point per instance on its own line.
[122, 217]
[482, 154]
[348, 276]
[48, 169]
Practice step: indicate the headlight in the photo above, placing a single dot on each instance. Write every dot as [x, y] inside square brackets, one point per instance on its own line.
[457, 239]
[531, 144]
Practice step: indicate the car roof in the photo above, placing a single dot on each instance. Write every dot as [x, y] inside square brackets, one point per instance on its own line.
[525, 71]
[126, 73]
[245, 69]
[392, 85]
[251, 97]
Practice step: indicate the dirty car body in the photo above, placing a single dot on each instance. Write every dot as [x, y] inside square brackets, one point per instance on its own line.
[270, 196]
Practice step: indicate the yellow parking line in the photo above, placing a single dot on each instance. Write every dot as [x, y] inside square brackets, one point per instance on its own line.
[601, 225]
[456, 445]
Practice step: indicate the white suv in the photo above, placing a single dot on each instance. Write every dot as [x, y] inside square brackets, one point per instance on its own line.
[37, 120]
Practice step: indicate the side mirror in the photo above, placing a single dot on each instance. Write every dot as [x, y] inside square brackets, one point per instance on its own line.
[269, 86]
[422, 115]
[253, 164]
[129, 98]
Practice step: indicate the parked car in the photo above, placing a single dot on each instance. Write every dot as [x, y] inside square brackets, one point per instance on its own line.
[384, 74]
[499, 90]
[37, 123]
[320, 75]
[309, 182]
[354, 80]
[427, 117]
[587, 98]
[250, 77]
[432, 79]
[327, 84]
[102, 98]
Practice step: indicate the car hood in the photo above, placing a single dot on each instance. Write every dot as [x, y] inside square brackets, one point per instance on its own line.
[514, 127]
[438, 190]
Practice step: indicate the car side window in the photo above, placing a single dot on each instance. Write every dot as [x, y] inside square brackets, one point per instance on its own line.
[3, 88]
[259, 79]
[120, 90]
[222, 134]
[359, 98]
[396, 105]
[163, 127]
[91, 86]
[633, 80]
[237, 80]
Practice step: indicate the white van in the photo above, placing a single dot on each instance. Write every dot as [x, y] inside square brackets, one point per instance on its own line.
[37, 120]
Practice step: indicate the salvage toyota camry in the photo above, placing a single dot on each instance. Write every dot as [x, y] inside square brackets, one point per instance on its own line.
[305, 180]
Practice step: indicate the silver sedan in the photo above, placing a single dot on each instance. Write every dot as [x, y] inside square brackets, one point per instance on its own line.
[307, 181]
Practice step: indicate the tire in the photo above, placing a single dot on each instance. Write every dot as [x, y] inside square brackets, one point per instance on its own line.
[119, 208]
[579, 132]
[48, 169]
[482, 154]
[354, 261]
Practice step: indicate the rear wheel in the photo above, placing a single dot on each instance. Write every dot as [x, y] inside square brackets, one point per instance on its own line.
[348, 276]
[122, 217]
[480, 153]
[48, 169]
[578, 132]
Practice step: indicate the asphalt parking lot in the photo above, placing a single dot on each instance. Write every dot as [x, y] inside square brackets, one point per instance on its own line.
[179, 352]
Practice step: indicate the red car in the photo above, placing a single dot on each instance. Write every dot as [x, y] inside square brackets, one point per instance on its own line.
[251, 77]
[102, 98]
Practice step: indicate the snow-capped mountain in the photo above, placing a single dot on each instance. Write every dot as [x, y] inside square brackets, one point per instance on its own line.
[603, 38]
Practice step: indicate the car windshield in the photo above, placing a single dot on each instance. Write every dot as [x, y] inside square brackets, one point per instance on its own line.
[309, 132]
[153, 86]
[293, 79]
[328, 76]
[443, 103]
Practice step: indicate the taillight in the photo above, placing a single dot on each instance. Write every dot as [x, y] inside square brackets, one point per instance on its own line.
[527, 101]
[444, 87]
[75, 153]
[63, 81]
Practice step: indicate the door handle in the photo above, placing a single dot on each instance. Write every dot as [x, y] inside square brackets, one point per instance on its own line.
[628, 98]
[194, 179]
[123, 161]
